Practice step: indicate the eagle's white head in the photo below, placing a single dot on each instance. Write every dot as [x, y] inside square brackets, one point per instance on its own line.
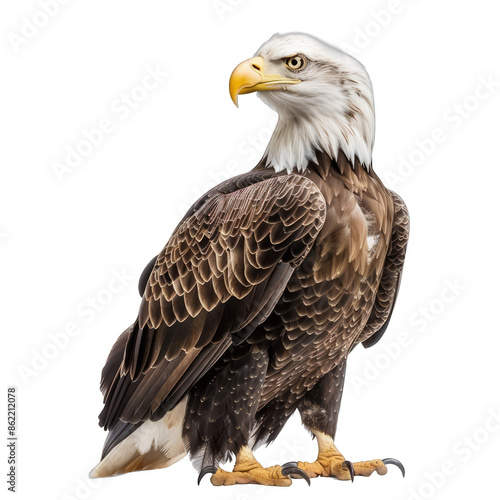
[322, 95]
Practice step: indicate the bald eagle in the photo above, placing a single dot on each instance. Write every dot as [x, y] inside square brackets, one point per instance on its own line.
[266, 285]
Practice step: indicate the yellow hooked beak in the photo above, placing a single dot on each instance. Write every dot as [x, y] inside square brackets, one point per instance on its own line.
[249, 77]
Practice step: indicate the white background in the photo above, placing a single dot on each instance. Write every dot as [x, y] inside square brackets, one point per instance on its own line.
[426, 394]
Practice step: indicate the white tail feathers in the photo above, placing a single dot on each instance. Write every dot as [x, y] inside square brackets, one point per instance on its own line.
[154, 445]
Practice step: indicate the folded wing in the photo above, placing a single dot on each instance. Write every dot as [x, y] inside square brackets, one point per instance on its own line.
[218, 277]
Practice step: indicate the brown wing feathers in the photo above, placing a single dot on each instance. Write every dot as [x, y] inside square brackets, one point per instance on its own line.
[221, 273]
[220, 252]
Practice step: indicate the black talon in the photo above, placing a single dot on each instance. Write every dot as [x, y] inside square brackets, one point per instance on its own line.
[348, 465]
[206, 470]
[291, 468]
[395, 462]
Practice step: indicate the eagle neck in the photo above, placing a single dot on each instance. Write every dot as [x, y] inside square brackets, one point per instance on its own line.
[331, 129]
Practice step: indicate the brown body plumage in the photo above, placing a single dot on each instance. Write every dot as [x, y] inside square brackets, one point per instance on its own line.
[324, 310]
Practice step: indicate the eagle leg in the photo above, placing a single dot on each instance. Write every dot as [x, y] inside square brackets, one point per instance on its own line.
[248, 471]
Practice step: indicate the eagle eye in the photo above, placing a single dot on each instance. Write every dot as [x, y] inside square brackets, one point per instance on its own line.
[295, 63]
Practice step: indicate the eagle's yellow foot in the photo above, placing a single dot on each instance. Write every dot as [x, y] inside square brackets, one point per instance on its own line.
[248, 471]
[342, 469]
[331, 463]
[270, 476]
